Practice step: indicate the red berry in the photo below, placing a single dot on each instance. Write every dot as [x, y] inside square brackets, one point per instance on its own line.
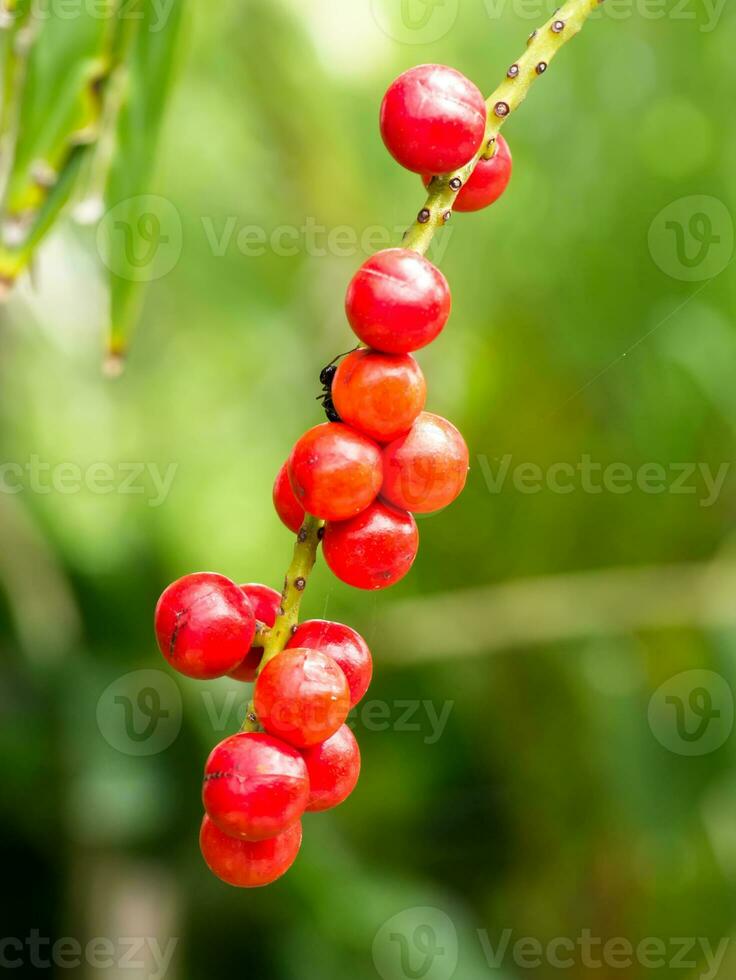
[398, 301]
[248, 864]
[374, 549]
[302, 696]
[379, 394]
[204, 625]
[433, 119]
[426, 469]
[487, 182]
[333, 767]
[266, 604]
[335, 471]
[255, 786]
[346, 647]
[288, 508]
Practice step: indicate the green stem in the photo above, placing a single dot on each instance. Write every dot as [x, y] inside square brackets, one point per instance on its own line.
[297, 576]
[542, 46]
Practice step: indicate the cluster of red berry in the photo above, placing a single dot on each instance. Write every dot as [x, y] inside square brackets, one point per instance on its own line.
[258, 785]
[378, 461]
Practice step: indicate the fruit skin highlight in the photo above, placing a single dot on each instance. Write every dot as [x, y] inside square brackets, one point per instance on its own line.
[302, 696]
[379, 394]
[255, 786]
[433, 119]
[373, 550]
[397, 301]
[204, 625]
[248, 864]
[335, 472]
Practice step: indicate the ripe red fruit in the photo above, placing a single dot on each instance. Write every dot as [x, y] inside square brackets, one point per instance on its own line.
[335, 471]
[333, 767]
[426, 469]
[398, 301]
[290, 511]
[374, 549]
[204, 625]
[346, 647]
[255, 786]
[379, 394]
[248, 864]
[487, 182]
[302, 696]
[266, 604]
[433, 119]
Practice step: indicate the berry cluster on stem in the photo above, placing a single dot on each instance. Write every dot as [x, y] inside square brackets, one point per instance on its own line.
[353, 483]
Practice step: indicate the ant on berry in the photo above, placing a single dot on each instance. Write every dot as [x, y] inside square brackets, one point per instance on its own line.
[326, 377]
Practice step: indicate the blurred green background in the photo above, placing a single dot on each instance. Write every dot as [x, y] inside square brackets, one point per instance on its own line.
[525, 772]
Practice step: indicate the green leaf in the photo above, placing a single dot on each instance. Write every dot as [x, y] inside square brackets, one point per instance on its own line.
[138, 223]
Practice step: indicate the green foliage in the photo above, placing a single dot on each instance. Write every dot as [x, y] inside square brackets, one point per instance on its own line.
[546, 805]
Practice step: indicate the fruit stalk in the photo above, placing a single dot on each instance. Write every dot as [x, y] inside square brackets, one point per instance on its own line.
[297, 576]
[542, 46]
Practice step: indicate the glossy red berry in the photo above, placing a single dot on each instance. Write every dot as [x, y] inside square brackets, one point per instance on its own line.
[379, 394]
[433, 119]
[374, 549]
[334, 768]
[255, 786]
[335, 471]
[302, 696]
[398, 301]
[426, 469]
[346, 647]
[487, 182]
[290, 511]
[204, 625]
[248, 864]
[266, 603]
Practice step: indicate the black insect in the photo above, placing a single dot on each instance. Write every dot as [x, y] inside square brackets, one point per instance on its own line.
[326, 377]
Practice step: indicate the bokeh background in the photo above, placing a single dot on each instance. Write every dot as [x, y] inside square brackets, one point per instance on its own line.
[547, 744]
